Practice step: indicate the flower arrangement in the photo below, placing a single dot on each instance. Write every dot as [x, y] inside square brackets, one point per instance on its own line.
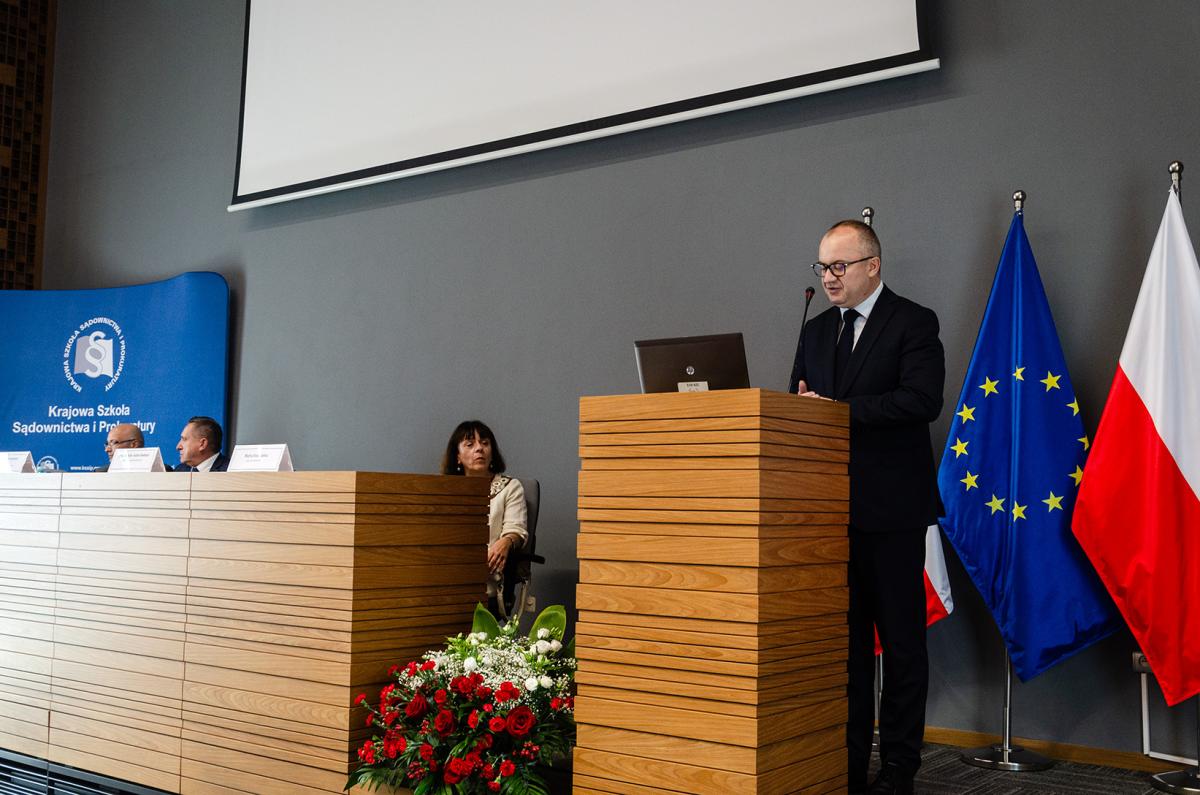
[476, 717]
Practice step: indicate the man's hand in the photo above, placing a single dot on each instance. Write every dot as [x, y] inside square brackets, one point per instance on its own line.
[803, 391]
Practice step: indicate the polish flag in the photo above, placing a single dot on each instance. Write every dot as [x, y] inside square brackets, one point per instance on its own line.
[938, 601]
[1137, 515]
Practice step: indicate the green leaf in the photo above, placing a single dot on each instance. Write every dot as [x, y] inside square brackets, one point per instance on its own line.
[569, 648]
[553, 618]
[485, 622]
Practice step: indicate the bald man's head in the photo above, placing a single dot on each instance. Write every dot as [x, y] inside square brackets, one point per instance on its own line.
[125, 435]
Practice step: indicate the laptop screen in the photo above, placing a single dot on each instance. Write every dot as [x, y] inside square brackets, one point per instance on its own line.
[692, 364]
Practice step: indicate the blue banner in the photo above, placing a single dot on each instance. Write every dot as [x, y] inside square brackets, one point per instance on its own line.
[1010, 472]
[152, 355]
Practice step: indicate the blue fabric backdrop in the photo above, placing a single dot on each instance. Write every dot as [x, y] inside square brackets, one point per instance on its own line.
[78, 361]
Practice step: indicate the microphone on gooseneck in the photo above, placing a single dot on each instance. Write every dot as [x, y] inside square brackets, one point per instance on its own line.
[809, 292]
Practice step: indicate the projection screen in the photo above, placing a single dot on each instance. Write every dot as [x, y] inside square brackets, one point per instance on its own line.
[336, 95]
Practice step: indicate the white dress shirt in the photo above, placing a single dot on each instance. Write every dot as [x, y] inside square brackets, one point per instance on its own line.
[864, 311]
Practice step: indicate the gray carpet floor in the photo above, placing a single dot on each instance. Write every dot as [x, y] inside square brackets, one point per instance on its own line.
[944, 773]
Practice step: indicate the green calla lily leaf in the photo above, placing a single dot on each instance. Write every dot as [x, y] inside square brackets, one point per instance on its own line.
[484, 621]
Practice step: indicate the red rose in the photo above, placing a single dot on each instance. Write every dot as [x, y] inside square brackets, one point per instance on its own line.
[482, 691]
[444, 722]
[426, 751]
[439, 697]
[520, 721]
[473, 719]
[497, 724]
[487, 707]
[428, 665]
[556, 703]
[418, 706]
[493, 786]
[507, 768]
[485, 742]
[488, 772]
[456, 770]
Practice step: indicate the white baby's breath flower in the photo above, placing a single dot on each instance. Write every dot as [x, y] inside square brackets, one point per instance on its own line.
[531, 684]
[470, 664]
[543, 633]
[546, 682]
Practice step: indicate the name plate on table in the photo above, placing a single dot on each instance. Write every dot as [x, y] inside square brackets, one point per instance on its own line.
[17, 462]
[693, 386]
[137, 459]
[260, 458]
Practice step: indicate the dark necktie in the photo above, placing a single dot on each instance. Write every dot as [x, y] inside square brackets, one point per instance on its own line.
[845, 346]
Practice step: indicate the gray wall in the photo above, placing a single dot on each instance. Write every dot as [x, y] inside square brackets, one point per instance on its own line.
[368, 323]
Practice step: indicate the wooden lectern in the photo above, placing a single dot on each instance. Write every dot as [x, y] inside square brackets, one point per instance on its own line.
[712, 637]
[207, 633]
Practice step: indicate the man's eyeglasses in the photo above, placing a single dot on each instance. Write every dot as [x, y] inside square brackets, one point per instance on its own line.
[836, 268]
[110, 443]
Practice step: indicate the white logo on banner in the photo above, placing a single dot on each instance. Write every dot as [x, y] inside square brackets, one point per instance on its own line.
[94, 354]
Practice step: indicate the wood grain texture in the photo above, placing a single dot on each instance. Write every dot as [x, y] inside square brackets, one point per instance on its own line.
[221, 625]
[712, 593]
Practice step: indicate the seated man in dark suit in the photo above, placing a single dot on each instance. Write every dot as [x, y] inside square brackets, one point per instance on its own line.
[127, 436]
[200, 447]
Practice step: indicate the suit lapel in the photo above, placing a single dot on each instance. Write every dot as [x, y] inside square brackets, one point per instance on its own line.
[881, 313]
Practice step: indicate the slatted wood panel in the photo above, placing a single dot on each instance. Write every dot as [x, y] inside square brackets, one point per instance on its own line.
[117, 681]
[712, 638]
[302, 591]
[29, 514]
[208, 633]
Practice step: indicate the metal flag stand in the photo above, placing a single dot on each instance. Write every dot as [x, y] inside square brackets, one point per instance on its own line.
[1181, 781]
[1006, 756]
[868, 216]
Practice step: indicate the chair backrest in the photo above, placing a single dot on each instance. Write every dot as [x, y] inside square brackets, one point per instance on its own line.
[533, 496]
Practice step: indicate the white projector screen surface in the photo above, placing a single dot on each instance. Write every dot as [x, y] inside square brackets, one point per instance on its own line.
[342, 94]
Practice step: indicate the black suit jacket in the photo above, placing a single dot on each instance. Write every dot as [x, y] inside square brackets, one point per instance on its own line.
[220, 465]
[893, 383]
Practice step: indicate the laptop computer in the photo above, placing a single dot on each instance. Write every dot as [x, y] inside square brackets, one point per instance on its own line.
[692, 364]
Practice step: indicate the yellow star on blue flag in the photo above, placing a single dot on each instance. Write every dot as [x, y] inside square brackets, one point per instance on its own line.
[1040, 588]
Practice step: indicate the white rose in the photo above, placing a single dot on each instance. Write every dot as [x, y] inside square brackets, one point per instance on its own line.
[543, 633]
[546, 682]
[555, 645]
[531, 683]
[543, 646]
[470, 664]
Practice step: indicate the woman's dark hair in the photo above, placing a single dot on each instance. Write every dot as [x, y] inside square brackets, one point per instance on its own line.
[469, 430]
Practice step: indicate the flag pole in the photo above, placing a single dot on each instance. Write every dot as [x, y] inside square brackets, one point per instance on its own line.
[868, 216]
[1006, 756]
[1181, 781]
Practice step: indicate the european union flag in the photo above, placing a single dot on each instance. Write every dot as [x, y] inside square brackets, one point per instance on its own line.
[1009, 475]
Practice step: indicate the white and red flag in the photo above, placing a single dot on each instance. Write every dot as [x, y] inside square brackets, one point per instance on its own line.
[939, 602]
[1137, 515]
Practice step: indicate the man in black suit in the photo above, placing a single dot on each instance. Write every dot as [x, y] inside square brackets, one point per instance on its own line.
[880, 353]
[200, 447]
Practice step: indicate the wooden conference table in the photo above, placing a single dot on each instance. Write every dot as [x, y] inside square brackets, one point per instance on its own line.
[204, 633]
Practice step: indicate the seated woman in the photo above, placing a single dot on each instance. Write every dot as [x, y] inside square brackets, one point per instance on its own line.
[472, 451]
